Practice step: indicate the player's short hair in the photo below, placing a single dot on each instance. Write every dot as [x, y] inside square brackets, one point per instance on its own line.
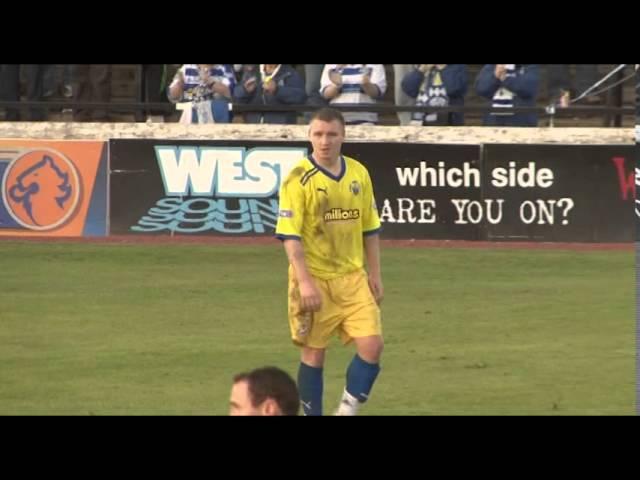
[328, 115]
[271, 382]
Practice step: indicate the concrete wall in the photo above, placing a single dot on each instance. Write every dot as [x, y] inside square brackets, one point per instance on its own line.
[452, 135]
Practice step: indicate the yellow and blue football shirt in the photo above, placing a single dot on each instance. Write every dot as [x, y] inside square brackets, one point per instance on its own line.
[329, 214]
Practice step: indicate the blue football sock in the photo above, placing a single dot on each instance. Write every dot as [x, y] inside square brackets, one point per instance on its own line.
[360, 378]
[310, 385]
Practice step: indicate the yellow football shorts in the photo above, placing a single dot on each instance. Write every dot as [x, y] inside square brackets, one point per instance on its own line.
[348, 310]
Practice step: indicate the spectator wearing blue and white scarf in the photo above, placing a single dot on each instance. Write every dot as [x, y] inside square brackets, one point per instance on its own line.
[205, 82]
[439, 85]
[507, 86]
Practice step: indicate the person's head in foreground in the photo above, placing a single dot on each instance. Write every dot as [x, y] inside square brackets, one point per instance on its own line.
[267, 391]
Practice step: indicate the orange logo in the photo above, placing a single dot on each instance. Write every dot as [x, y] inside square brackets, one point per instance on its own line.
[41, 189]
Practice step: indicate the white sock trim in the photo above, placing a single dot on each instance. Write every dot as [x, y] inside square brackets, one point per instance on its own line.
[349, 405]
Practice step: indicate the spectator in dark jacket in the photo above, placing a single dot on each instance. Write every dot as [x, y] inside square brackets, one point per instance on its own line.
[508, 86]
[437, 86]
[271, 84]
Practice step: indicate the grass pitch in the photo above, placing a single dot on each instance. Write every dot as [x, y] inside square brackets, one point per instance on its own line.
[161, 329]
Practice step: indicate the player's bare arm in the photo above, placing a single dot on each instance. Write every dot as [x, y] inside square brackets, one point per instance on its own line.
[372, 249]
[310, 298]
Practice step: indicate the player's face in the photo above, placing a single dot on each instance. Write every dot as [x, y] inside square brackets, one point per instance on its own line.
[326, 139]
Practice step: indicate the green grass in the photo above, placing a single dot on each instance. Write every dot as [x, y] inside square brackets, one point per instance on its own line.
[160, 330]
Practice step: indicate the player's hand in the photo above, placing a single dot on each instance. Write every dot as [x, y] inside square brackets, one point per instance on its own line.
[425, 67]
[375, 284]
[310, 298]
